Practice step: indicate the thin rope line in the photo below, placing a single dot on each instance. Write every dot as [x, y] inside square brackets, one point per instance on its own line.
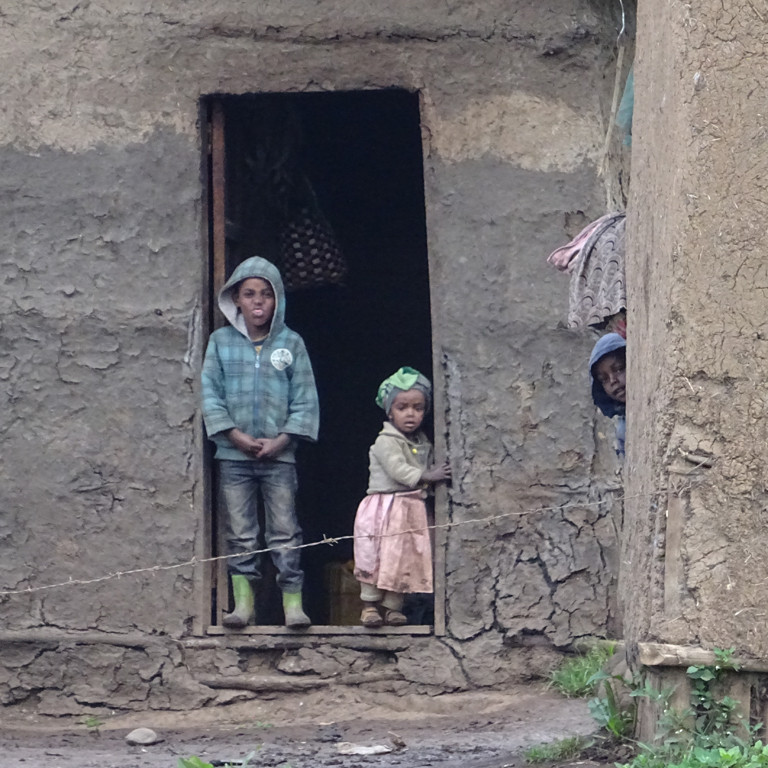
[623, 21]
[326, 540]
[603, 167]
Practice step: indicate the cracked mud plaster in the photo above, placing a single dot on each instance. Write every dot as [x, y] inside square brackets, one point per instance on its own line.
[134, 69]
[552, 578]
[329, 661]
[100, 399]
[697, 285]
[70, 679]
[509, 128]
[433, 663]
[488, 661]
[535, 574]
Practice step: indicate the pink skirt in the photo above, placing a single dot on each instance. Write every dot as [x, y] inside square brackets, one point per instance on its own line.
[392, 545]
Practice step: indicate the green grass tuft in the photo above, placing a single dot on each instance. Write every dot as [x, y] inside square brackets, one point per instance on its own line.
[556, 751]
[573, 677]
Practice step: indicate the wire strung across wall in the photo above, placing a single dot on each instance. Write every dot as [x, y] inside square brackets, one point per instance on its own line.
[325, 541]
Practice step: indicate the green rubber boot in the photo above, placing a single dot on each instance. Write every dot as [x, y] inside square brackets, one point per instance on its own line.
[244, 612]
[295, 618]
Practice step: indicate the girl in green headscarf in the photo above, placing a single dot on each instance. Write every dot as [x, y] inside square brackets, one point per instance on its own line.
[393, 553]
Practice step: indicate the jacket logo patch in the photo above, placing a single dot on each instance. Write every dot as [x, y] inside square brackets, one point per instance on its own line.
[281, 358]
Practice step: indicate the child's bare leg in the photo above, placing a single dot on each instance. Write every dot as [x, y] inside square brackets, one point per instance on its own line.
[393, 605]
[371, 597]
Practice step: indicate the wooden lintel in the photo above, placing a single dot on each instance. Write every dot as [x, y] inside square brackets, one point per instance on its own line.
[413, 629]
[240, 642]
[667, 655]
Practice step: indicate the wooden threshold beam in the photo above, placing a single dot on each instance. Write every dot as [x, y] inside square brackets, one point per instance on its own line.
[416, 629]
[668, 655]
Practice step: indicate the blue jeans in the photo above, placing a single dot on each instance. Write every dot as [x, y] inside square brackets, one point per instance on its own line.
[241, 483]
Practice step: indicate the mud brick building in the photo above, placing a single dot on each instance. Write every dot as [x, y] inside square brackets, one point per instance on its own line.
[451, 146]
[694, 564]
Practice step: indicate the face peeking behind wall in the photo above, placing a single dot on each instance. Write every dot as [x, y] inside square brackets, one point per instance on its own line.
[611, 371]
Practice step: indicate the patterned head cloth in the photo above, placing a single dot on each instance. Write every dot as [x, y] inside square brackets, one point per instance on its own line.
[401, 381]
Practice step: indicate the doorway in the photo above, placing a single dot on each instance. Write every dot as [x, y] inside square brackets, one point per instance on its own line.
[360, 155]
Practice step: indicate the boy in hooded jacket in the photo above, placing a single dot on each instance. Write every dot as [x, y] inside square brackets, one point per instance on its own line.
[259, 398]
[608, 370]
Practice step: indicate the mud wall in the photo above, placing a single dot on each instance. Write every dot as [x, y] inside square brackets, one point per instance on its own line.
[102, 267]
[695, 562]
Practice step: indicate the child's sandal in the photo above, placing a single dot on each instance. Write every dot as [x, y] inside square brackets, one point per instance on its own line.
[394, 618]
[370, 617]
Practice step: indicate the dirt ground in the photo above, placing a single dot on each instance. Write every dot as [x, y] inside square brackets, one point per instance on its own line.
[467, 730]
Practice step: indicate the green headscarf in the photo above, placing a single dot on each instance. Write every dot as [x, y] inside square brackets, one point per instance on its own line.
[401, 381]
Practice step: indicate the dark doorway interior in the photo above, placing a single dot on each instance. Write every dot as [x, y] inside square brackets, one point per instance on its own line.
[361, 153]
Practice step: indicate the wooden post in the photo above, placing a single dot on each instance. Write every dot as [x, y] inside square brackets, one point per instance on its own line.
[218, 278]
[203, 575]
[218, 172]
[650, 712]
[665, 666]
[439, 409]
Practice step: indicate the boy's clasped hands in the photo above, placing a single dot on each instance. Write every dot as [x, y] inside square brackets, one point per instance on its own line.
[258, 447]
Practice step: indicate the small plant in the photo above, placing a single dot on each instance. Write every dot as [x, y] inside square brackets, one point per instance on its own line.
[710, 733]
[93, 724]
[196, 762]
[713, 717]
[754, 756]
[556, 751]
[606, 708]
[192, 762]
[574, 678]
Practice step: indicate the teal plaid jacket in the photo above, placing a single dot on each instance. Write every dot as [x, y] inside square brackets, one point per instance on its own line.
[262, 394]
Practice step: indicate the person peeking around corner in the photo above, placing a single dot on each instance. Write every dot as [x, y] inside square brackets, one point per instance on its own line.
[608, 371]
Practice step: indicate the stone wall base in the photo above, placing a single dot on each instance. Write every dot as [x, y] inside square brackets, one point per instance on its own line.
[57, 673]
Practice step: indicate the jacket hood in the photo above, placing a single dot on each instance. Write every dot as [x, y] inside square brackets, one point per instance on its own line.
[253, 267]
[605, 345]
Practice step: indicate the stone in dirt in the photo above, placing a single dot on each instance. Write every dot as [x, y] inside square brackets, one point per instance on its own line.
[347, 748]
[397, 741]
[142, 737]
